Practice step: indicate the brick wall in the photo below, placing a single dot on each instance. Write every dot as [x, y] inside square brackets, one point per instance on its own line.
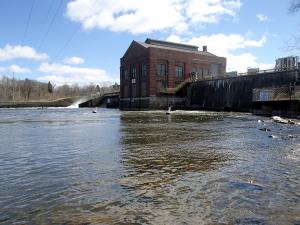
[137, 55]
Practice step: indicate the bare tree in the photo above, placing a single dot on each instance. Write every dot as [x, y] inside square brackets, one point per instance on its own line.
[50, 87]
[12, 89]
[294, 6]
[293, 44]
[27, 88]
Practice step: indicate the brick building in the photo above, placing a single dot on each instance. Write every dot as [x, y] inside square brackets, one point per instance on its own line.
[150, 68]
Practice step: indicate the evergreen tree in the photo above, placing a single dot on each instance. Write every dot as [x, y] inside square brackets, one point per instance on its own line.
[50, 87]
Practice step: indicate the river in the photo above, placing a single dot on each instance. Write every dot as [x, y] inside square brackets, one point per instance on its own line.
[72, 166]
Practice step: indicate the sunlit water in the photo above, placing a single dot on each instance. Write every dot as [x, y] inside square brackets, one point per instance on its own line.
[70, 166]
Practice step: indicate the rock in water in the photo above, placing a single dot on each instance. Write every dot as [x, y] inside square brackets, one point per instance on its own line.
[264, 129]
[278, 119]
[291, 122]
[272, 136]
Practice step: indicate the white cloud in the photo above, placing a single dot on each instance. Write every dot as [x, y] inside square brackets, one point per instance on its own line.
[64, 74]
[222, 44]
[226, 45]
[262, 17]
[144, 16]
[10, 52]
[210, 11]
[174, 38]
[74, 60]
[15, 69]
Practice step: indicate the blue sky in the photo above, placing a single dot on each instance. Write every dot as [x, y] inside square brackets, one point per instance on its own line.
[81, 41]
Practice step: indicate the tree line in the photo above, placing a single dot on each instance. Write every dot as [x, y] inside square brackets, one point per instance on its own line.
[12, 89]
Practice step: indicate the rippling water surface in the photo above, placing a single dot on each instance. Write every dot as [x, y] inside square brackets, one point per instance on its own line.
[70, 166]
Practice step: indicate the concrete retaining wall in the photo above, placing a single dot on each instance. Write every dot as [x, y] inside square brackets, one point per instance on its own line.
[148, 103]
[234, 94]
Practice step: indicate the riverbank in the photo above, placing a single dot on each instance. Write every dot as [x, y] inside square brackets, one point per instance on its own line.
[62, 102]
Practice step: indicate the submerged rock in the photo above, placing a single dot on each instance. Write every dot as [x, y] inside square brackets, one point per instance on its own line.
[250, 220]
[272, 136]
[264, 129]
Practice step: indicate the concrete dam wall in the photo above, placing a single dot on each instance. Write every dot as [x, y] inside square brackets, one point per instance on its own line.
[235, 94]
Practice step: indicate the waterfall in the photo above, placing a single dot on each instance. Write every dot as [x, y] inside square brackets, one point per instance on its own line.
[76, 103]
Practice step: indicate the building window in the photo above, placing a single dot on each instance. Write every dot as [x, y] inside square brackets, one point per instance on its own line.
[163, 84]
[179, 71]
[194, 74]
[161, 70]
[133, 73]
[215, 69]
[205, 72]
[125, 74]
[144, 70]
[200, 71]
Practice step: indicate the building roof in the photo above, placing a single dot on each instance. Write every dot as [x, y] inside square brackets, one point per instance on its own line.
[152, 43]
[171, 44]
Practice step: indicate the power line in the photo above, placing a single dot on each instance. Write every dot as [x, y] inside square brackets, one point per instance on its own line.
[68, 41]
[50, 6]
[51, 24]
[43, 37]
[27, 23]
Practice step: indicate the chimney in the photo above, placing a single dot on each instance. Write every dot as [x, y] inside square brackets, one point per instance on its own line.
[204, 48]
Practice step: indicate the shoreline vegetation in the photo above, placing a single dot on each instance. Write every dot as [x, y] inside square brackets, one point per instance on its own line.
[16, 93]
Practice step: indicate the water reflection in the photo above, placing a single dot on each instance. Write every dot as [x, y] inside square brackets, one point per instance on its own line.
[161, 155]
[151, 144]
[67, 166]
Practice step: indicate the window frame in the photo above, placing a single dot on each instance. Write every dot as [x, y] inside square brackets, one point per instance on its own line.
[144, 70]
[177, 75]
[205, 72]
[161, 72]
[125, 74]
[133, 72]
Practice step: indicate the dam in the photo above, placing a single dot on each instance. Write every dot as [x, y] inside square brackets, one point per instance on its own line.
[250, 93]
[268, 92]
[157, 74]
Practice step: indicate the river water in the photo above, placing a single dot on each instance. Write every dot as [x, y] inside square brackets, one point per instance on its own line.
[70, 166]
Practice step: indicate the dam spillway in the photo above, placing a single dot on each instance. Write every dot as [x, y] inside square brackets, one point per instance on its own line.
[236, 94]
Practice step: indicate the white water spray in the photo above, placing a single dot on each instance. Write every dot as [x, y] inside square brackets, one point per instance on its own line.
[76, 103]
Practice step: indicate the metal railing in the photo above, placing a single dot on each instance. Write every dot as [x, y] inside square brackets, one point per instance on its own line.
[193, 78]
[276, 94]
[283, 69]
[252, 73]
